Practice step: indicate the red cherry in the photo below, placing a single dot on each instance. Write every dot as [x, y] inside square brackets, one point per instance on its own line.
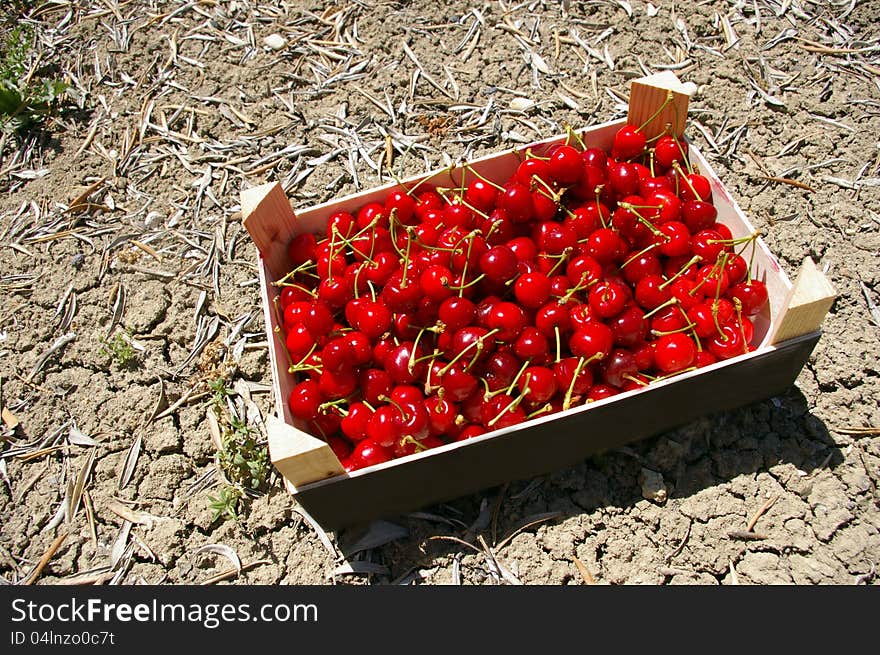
[565, 369]
[403, 206]
[531, 344]
[516, 200]
[371, 215]
[302, 249]
[668, 150]
[299, 342]
[591, 340]
[538, 384]
[752, 295]
[629, 143]
[674, 352]
[608, 298]
[470, 431]
[354, 424]
[602, 391]
[498, 264]
[728, 343]
[566, 165]
[650, 292]
[374, 384]
[481, 195]
[532, 289]
[552, 316]
[629, 327]
[532, 168]
[305, 399]
[695, 187]
[623, 178]
[337, 384]
[369, 453]
[619, 367]
[698, 215]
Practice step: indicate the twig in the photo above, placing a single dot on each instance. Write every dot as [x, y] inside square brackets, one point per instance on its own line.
[584, 571]
[233, 572]
[770, 502]
[681, 544]
[746, 535]
[44, 560]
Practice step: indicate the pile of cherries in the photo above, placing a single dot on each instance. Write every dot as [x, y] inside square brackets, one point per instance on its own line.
[441, 314]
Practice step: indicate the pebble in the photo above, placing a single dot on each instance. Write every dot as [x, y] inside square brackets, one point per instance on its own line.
[152, 220]
[653, 487]
[275, 41]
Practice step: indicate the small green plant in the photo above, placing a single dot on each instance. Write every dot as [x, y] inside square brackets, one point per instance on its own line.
[26, 98]
[220, 390]
[119, 348]
[243, 461]
[225, 504]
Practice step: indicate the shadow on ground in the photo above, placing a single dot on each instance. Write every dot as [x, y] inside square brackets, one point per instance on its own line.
[705, 453]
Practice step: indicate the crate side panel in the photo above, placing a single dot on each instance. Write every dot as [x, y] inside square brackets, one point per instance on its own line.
[766, 267]
[554, 445]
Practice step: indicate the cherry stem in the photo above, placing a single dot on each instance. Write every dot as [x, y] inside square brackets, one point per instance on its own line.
[639, 254]
[478, 344]
[661, 306]
[570, 131]
[512, 405]
[462, 287]
[410, 439]
[580, 286]
[566, 403]
[565, 254]
[302, 268]
[686, 328]
[516, 378]
[693, 260]
[669, 99]
[411, 364]
[471, 169]
[638, 381]
[716, 270]
[294, 285]
[541, 410]
[677, 168]
[391, 401]
[558, 344]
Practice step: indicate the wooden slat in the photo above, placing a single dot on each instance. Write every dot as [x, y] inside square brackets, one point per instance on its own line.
[300, 457]
[269, 219]
[563, 440]
[807, 303]
[648, 95]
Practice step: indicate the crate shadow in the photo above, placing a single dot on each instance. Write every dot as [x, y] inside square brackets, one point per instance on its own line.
[770, 437]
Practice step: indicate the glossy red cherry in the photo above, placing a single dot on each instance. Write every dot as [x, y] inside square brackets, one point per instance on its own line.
[305, 399]
[629, 142]
[592, 340]
[566, 165]
[532, 289]
[752, 295]
[674, 352]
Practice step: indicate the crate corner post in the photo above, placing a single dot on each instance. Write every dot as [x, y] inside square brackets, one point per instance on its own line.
[809, 300]
[269, 219]
[657, 100]
[300, 457]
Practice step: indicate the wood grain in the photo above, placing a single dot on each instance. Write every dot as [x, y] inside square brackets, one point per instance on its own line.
[269, 219]
[807, 303]
[647, 96]
[300, 457]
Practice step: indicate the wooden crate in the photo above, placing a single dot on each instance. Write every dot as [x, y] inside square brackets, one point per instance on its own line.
[787, 330]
